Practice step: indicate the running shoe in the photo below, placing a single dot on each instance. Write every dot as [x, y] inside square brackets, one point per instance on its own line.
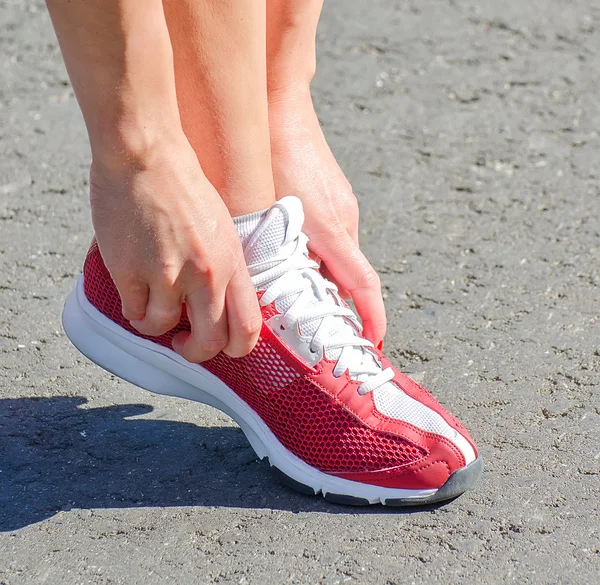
[329, 411]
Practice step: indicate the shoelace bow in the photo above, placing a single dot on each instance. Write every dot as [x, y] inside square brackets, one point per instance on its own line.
[297, 275]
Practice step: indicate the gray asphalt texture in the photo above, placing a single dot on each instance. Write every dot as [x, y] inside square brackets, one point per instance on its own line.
[469, 131]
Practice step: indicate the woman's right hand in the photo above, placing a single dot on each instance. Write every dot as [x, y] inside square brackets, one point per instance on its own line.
[166, 238]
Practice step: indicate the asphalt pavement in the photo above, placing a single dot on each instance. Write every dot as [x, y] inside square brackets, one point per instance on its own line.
[469, 130]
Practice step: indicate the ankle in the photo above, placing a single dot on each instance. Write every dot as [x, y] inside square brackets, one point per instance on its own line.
[240, 202]
[245, 193]
[241, 173]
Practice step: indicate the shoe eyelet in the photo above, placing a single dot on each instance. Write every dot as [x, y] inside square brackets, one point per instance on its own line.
[282, 327]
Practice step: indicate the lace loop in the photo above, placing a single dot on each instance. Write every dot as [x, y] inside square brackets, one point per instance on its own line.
[292, 274]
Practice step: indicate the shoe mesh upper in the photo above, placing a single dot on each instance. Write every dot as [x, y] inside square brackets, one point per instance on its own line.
[309, 423]
[304, 419]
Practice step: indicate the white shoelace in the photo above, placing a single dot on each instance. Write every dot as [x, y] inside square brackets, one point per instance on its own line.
[293, 274]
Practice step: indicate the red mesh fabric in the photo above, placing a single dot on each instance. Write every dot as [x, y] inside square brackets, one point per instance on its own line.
[304, 419]
[312, 426]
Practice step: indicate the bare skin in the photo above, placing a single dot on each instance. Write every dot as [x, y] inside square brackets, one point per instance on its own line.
[163, 230]
[275, 113]
[304, 165]
[220, 73]
[154, 106]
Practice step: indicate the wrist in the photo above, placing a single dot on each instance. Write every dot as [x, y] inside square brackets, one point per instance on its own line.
[132, 142]
[289, 96]
[288, 81]
[290, 68]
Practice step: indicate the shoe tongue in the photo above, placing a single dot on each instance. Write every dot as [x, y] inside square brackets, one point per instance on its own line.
[266, 248]
[282, 224]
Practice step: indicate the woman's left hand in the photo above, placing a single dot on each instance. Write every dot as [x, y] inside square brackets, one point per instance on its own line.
[303, 165]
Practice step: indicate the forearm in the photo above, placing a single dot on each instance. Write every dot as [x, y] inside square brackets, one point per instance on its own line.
[119, 59]
[291, 39]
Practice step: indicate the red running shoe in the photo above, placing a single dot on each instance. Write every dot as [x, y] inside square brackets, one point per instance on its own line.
[326, 407]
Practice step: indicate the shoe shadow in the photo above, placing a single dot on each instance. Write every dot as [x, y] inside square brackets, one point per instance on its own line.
[56, 455]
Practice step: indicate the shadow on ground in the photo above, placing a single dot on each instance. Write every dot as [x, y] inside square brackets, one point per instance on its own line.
[56, 455]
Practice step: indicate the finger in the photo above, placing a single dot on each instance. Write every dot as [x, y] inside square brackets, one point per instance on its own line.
[352, 270]
[329, 276]
[244, 319]
[208, 319]
[134, 297]
[163, 311]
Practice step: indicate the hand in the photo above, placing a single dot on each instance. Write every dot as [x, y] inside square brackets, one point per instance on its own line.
[167, 238]
[303, 165]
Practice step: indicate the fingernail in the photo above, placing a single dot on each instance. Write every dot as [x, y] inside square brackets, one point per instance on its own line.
[380, 345]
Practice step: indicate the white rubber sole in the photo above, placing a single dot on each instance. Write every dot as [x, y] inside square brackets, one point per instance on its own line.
[161, 370]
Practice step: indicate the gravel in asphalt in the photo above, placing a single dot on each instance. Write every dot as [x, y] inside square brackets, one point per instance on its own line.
[469, 131]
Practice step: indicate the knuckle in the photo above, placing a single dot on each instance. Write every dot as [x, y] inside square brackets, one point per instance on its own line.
[352, 208]
[129, 283]
[250, 327]
[213, 345]
[132, 312]
[129, 297]
[152, 329]
[204, 273]
[202, 267]
[132, 280]
[368, 278]
[133, 300]
[245, 342]
[195, 354]
[168, 274]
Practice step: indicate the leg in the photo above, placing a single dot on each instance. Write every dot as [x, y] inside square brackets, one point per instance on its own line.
[220, 74]
[304, 165]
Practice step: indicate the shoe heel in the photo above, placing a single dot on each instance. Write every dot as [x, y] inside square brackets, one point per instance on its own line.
[86, 335]
[115, 360]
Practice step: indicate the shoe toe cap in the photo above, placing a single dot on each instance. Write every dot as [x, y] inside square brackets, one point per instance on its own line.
[443, 458]
[395, 404]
